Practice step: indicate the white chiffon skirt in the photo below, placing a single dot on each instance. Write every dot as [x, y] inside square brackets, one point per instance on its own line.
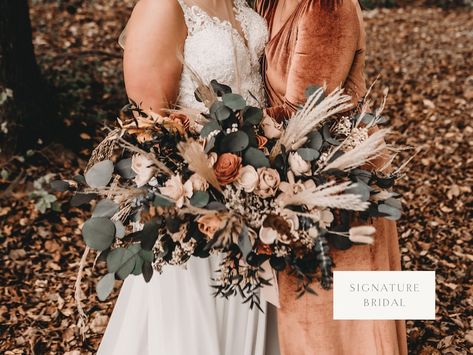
[176, 314]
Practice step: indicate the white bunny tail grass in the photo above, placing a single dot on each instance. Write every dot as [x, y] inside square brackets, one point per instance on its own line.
[367, 150]
[329, 195]
[314, 113]
[193, 153]
[362, 234]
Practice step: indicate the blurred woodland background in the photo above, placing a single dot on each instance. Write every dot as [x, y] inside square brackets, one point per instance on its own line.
[61, 80]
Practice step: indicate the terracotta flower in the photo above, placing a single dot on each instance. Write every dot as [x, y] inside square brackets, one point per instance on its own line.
[248, 179]
[269, 181]
[227, 168]
[210, 223]
[143, 168]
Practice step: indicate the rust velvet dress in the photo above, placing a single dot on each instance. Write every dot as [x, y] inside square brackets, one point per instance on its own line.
[317, 46]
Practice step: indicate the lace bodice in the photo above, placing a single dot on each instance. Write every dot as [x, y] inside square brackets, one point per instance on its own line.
[214, 49]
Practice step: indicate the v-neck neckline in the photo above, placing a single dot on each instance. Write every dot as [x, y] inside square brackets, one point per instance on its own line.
[286, 23]
[243, 35]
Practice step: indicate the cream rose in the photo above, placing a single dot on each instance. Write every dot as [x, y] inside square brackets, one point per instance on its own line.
[298, 165]
[270, 127]
[248, 179]
[268, 183]
[143, 168]
[175, 189]
[323, 216]
[268, 235]
[196, 183]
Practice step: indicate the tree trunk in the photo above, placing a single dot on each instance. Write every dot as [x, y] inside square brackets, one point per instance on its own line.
[25, 101]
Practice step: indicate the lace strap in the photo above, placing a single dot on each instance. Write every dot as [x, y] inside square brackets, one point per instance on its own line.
[193, 16]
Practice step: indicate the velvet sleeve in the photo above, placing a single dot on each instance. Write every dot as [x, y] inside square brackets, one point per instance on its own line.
[325, 48]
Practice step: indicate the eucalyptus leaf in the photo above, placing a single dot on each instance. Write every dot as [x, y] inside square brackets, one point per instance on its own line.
[80, 179]
[255, 158]
[311, 89]
[148, 235]
[138, 269]
[394, 202]
[162, 201]
[147, 255]
[119, 229]
[361, 189]
[147, 271]
[216, 206]
[121, 261]
[308, 154]
[80, 199]
[219, 111]
[100, 174]
[98, 233]
[105, 286]
[368, 118]
[244, 242]
[209, 145]
[220, 89]
[315, 140]
[252, 115]
[234, 101]
[389, 212]
[105, 208]
[235, 142]
[115, 259]
[124, 169]
[210, 127]
[200, 199]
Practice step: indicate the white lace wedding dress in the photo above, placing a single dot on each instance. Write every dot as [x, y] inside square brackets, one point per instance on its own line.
[176, 314]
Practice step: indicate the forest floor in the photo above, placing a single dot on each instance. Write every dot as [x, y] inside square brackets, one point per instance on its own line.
[424, 56]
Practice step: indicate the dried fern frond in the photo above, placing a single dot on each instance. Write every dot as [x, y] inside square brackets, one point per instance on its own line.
[204, 91]
[329, 195]
[367, 150]
[193, 153]
[312, 115]
[105, 148]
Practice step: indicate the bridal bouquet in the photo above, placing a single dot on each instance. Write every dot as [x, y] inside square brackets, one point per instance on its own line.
[233, 181]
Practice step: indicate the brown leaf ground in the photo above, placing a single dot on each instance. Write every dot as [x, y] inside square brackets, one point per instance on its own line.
[423, 55]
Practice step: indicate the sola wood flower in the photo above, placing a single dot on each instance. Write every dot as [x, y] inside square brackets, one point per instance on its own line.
[290, 187]
[227, 168]
[269, 181]
[248, 179]
[196, 183]
[298, 165]
[271, 128]
[323, 216]
[210, 223]
[143, 168]
[176, 190]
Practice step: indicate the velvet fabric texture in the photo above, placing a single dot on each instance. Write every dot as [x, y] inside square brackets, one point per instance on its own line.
[320, 46]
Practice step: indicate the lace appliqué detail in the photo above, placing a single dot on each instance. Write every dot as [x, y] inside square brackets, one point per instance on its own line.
[214, 49]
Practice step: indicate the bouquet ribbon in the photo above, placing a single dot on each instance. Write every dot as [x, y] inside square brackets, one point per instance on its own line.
[270, 293]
